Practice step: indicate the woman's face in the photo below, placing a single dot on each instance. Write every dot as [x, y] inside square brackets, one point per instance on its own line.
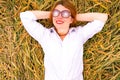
[62, 18]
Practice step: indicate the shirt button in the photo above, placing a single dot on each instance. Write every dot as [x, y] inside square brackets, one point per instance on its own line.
[73, 30]
[51, 31]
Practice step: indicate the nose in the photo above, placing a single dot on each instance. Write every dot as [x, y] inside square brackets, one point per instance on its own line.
[60, 16]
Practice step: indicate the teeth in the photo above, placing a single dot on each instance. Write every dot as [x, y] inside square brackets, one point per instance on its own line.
[59, 22]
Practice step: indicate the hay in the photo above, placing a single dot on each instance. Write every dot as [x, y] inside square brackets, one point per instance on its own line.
[21, 57]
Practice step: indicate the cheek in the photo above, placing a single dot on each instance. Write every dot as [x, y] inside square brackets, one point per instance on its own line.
[53, 20]
[69, 21]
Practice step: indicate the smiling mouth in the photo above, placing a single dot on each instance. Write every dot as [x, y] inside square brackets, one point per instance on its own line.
[59, 21]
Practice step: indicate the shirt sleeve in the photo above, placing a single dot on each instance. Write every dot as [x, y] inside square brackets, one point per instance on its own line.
[35, 29]
[91, 28]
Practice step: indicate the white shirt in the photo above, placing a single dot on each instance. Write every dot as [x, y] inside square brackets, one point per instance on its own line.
[63, 60]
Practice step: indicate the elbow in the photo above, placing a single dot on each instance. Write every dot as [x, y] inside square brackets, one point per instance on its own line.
[101, 16]
[104, 17]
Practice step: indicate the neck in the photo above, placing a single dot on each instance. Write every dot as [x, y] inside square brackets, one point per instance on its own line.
[62, 32]
[62, 37]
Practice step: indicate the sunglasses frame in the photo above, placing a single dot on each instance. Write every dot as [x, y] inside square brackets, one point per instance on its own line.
[62, 13]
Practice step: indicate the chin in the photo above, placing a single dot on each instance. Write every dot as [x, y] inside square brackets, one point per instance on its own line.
[58, 25]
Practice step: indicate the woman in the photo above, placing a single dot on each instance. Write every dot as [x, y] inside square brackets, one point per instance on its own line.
[63, 43]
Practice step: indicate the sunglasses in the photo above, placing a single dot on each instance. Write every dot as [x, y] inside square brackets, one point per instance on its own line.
[64, 13]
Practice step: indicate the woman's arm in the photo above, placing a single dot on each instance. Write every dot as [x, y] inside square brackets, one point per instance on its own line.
[34, 28]
[92, 16]
[41, 14]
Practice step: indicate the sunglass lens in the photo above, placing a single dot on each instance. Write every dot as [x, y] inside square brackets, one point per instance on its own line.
[65, 14]
[55, 13]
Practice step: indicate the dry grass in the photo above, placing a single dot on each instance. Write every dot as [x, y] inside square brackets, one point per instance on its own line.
[21, 57]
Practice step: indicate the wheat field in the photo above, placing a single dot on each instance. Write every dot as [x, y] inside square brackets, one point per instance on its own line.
[21, 57]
